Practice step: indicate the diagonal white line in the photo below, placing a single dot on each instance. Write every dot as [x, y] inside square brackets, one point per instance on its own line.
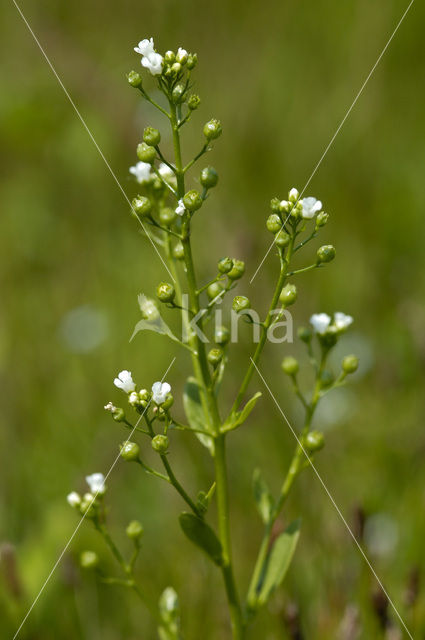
[64, 550]
[83, 122]
[331, 498]
[341, 124]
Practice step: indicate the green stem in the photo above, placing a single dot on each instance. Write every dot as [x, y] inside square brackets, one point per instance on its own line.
[267, 323]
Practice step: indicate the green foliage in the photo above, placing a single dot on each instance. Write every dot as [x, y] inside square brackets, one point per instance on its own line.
[202, 536]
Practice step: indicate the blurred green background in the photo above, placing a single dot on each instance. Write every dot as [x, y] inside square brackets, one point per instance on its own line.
[280, 76]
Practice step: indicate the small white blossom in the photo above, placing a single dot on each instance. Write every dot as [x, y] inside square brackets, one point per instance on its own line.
[342, 321]
[320, 322]
[96, 483]
[148, 308]
[141, 171]
[153, 62]
[311, 206]
[133, 398]
[110, 407]
[180, 209]
[145, 47]
[181, 54]
[73, 499]
[124, 381]
[294, 194]
[160, 390]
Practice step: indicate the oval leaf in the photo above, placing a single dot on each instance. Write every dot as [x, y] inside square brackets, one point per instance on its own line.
[279, 560]
[201, 534]
[195, 413]
[240, 416]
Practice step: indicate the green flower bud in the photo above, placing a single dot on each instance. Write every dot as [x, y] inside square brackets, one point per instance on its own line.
[209, 177]
[141, 205]
[215, 356]
[134, 78]
[146, 153]
[282, 239]
[151, 136]
[144, 395]
[305, 334]
[290, 366]
[160, 443]
[88, 505]
[326, 379]
[214, 290]
[314, 441]
[221, 335]
[182, 56]
[288, 295]
[193, 102]
[178, 250]
[169, 57]
[192, 200]
[240, 303]
[274, 205]
[165, 292]
[293, 195]
[178, 93]
[326, 253]
[168, 402]
[350, 364]
[118, 415]
[89, 560]
[176, 68]
[129, 451]
[134, 530]
[167, 216]
[237, 270]
[225, 265]
[212, 129]
[274, 223]
[191, 61]
[321, 219]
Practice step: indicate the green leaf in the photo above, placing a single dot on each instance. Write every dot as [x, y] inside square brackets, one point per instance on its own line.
[239, 417]
[195, 413]
[201, 534]
[279, 560]
[262, 495]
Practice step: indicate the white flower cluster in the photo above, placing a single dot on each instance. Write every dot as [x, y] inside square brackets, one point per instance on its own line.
[142, 171]
[180, 209]
[308, 207]
[151, 60]
[322, 323]
[124, 381]
[96, 482]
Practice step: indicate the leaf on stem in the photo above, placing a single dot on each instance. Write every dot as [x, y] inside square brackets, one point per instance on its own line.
[239, 417]
[278, 561]
[262, 495]
[201, 534]
[195, 413]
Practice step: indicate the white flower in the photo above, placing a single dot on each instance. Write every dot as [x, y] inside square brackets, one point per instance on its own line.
[311, 206]
[141, 171]
[124, 381]
[110, 407]
[181, 55]
[96, 483]
[73, 499]
[180, 209]
[342, 321]
[293, 194]
[133, 398]
[153, 62]
[145, 47]
[148, 308]
[320, 322]
[160, 390]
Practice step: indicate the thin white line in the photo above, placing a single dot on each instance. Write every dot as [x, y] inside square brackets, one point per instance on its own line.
[90, 134]
[83, 518]
[333, 502]
[339, 128]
